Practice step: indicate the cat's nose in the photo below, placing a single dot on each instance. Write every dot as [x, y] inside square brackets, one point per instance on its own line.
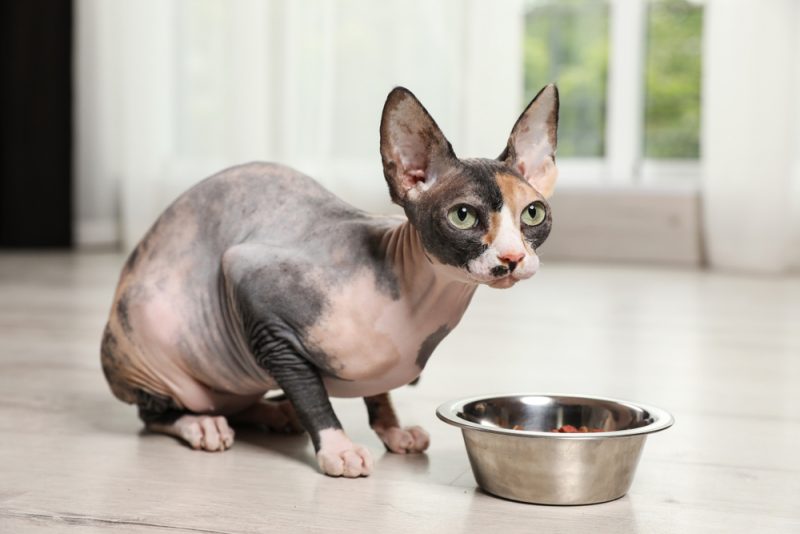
[511, 259]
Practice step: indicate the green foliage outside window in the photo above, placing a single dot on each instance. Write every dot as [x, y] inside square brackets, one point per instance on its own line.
[566, 42]
[672, 71]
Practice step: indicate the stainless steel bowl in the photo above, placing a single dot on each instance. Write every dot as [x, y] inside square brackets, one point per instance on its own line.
[537, 465]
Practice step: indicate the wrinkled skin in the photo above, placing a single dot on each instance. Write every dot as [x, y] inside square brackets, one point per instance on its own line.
[259, 279]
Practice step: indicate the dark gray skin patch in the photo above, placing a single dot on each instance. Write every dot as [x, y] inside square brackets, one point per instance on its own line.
[500, 270]
[385, 277]
[111, 360]
[481, 173]
[430, 343]
[109, 355]
[122, 313]
[330, 229]
[157, 409]
[381, 413]
[284, 285]
[536, 235]
[298, 377]
[276, 349]
[276, 303]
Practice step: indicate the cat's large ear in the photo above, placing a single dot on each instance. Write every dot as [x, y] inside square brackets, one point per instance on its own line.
[531, 147]
[413, 149]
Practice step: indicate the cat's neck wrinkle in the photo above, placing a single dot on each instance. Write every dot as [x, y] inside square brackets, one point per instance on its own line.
[421, 278]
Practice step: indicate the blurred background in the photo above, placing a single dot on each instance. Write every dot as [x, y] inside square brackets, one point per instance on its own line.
[679, 140]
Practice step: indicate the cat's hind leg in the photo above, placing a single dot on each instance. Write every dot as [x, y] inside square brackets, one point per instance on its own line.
[384, 422]
[201, 432]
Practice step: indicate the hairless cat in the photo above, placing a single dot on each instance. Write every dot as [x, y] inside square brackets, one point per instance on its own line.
[258, 279]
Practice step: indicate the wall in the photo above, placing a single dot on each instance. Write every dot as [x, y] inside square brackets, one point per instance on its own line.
[750, 135]
[170, 92]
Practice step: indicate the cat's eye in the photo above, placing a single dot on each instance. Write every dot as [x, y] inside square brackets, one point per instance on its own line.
[534, 214]
[462, 216]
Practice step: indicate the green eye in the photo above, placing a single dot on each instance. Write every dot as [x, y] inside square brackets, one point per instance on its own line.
[534, 214]
[462, 217]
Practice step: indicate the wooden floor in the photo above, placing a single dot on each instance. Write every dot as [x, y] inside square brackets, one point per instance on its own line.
[721, 352]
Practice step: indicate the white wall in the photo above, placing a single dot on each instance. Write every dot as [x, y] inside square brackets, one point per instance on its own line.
[97, 110]
[751, 147]
[172, 91]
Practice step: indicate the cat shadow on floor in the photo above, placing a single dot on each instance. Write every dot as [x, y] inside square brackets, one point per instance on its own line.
[295, 446]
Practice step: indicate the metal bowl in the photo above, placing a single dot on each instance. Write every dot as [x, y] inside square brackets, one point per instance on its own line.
[515, 454]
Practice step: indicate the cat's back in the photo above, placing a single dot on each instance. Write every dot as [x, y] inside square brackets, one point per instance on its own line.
[263, 202]
[267, 200]
[167, 314]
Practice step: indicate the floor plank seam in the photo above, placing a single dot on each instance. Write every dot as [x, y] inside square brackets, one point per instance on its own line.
[89, 521]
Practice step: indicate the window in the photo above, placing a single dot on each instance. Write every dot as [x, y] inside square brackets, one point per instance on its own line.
[567, 42]
[628, 72]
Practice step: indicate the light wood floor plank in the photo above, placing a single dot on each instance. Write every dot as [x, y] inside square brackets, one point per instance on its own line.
[722, 352]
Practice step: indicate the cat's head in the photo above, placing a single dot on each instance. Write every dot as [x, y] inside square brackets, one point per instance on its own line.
[484, 218]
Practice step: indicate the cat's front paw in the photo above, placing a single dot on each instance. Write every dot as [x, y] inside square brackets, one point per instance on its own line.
[404, 440]
[340, 457]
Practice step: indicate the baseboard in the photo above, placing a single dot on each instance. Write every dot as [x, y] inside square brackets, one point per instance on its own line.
[620, 224]
[626, 224]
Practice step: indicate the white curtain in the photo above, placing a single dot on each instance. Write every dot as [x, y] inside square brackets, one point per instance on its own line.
[751, 134]
[172, 91]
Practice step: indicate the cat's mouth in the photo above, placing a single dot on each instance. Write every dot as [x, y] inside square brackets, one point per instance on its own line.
[506, 279]
[503, 282]
[488, 271]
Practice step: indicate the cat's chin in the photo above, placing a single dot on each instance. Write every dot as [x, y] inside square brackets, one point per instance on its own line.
[503, 283]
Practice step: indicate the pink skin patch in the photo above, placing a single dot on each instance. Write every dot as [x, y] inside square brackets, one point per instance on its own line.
[340, 457]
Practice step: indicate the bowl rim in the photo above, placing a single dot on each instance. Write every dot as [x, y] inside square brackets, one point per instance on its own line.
[662, 419]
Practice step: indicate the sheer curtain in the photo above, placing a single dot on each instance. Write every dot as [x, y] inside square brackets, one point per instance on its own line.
[751, 137]
[172, 91]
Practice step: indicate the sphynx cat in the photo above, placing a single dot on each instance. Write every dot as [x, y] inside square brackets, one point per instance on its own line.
[258, 279]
